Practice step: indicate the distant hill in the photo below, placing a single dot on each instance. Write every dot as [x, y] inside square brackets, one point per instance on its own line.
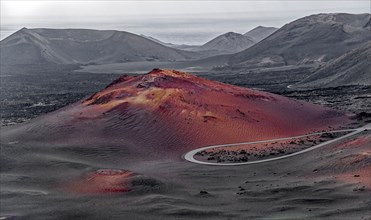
[260, 33]
[70, 46]
[229, 43]
[353, 68]
[313, 39]
[223, 44]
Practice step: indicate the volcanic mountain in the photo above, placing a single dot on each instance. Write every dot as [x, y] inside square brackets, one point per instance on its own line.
[228, 43]
[353, 68]
[315, 38]
[260, 33]
[167, 112]
[70, 46]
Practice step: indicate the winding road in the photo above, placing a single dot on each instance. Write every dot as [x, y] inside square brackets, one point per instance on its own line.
[190, 155]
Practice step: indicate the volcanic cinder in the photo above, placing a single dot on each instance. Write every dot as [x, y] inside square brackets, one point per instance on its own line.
[166, 113]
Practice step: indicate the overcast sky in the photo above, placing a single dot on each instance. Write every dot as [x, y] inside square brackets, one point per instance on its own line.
[212, 17]
[13, 9]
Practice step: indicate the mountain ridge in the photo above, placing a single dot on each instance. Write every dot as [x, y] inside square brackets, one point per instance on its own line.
[70, 46]
[259, 33]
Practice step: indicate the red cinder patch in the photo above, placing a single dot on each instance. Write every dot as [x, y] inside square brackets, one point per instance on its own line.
[101, 181]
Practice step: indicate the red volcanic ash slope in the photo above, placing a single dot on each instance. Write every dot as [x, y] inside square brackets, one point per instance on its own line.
[170, 112]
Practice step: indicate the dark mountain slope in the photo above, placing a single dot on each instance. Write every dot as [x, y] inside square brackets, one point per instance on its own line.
[353, 68]
[316, 38]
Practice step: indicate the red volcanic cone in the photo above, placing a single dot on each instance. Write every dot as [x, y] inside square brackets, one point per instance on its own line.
[167, 112]
[101, 181]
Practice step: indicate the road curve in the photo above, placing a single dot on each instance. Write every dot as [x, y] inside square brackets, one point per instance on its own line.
[190, 155]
